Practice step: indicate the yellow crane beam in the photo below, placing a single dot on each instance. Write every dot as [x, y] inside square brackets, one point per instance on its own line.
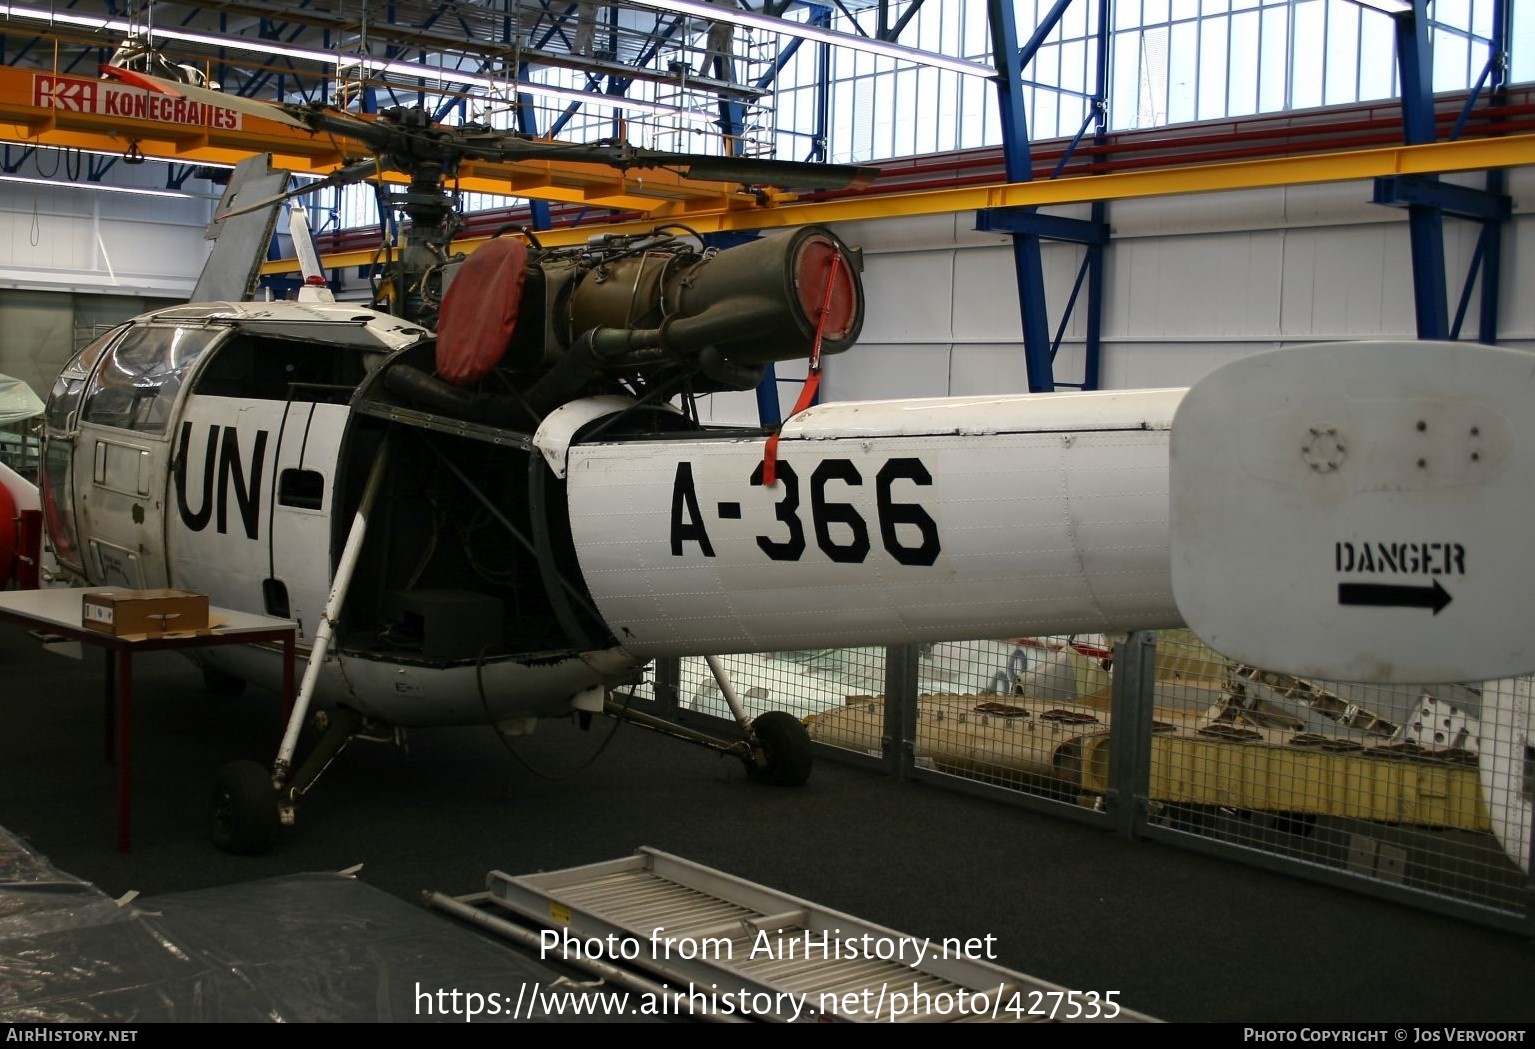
[42, 108]
[39, 108]
[1304, 169]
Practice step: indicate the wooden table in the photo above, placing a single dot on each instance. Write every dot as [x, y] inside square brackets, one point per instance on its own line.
[57, 611]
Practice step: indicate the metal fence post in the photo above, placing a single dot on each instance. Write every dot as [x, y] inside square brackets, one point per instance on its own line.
[1135, 676]
[667, 687]
[899, 741]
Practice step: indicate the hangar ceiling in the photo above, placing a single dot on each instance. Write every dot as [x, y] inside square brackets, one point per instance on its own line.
[485, 60]
[495, 38]
[440, 55]
[368, 55]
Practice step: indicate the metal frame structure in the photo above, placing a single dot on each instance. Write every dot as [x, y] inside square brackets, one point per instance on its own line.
[1428, 201]
[1124, 799]
[1425, 198]
[613, 52]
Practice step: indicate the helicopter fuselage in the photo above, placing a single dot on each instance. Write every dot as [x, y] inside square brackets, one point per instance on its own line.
[209, 448]
[508, 575]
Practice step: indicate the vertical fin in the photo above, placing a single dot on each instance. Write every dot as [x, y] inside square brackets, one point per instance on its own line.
[240, 241]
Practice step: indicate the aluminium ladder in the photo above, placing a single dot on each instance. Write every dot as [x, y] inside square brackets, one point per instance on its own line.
[713, 946]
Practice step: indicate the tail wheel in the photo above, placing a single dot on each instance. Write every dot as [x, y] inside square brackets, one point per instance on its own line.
[786, 751]
[243, 809]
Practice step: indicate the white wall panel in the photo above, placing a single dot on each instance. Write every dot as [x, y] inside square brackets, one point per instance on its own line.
[1128, 365]
[1204, 285]
[1342, 281]
[64, 239]
[875, 371]
[1518, 278]
[1196, 212]
[911, 296]
[986, 296]
[731, 409]
[1190, 283]
[986, 369]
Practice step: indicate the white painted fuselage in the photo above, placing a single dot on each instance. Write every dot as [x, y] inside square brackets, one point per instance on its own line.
[889, 522]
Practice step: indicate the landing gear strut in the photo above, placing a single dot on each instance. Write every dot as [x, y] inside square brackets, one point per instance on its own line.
[250, 805]
[777, 747]
[246, 816]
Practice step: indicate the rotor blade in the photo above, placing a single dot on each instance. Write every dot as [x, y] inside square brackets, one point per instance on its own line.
[788, 173]
[207, 96]
[340, 177]
[746, 170]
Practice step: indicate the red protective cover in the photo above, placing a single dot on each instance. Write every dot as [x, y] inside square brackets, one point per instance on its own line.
[8, 551]
[479, 312]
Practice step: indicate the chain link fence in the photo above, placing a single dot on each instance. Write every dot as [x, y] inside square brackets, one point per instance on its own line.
[1421, 793]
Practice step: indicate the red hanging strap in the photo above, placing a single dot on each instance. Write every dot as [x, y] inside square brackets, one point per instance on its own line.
[812, 384]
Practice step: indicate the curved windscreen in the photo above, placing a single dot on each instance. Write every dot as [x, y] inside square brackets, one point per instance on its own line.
[136, 385]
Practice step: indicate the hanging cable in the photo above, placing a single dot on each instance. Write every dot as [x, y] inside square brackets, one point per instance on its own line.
[512, 751]
[807, 392]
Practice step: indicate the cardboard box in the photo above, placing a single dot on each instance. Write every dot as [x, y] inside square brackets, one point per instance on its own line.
[146, 613]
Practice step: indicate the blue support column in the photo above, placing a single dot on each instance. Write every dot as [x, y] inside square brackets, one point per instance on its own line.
[1414, 54]
[1092, 363]
[1027, 261]
[1427, 200]
[540, 217]
[821, 16]
[1026, 225]
[1491, 244]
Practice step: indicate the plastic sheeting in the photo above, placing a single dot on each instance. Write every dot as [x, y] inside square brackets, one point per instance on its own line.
[17, 401]
[300, 948]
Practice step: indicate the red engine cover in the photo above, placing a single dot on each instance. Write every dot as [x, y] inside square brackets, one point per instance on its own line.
[479, 312]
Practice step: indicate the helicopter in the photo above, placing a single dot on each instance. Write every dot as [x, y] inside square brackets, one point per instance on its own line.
[491, 497]
[264, 427]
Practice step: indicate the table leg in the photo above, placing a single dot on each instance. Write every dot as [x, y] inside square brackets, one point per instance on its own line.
[109, 706]
[124, 749]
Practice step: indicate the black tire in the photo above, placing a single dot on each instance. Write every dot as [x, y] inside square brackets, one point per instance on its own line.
[786, 751]
[222, 684]
[243, 809]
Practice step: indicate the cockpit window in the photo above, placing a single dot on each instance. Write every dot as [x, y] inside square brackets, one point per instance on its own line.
[135, 388]
[65, 396]
[251, 364]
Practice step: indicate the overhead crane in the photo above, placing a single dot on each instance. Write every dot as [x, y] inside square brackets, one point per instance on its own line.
[40, 108]
[1303, 169]
[1404, 177]
[43, 109]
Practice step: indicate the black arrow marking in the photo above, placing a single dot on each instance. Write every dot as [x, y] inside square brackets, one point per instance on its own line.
[1385, 595]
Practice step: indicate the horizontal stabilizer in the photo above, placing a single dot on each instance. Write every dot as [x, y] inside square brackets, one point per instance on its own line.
[1356, 511]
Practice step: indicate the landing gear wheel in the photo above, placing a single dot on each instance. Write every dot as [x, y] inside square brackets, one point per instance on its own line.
[243, 809]
[222, 684]
[786, 751]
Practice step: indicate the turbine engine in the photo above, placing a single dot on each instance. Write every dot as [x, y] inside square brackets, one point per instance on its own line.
[523, 330]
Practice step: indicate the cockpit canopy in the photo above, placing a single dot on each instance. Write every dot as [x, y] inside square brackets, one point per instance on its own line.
[138, 376]
[268, 351]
